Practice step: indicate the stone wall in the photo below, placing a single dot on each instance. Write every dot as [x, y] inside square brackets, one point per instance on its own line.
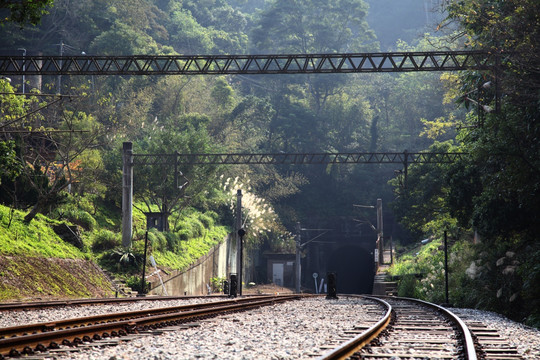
[194, 280]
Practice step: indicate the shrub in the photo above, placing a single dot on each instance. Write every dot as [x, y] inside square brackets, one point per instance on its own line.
[157, 240]
[407, 285]
[173, 241]
[207, 220]
[80, 217]
[124, 260]
[105, 240]
[185, 234]
[134, 282]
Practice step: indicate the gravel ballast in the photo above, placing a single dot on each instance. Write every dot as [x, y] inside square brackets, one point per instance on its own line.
[291, 330]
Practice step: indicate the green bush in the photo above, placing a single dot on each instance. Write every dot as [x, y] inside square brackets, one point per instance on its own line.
[173, 241]
[157, 240]
[134, 282]
[407, 286]
[208, 219]
[80, 217]
[105, 240]
[185, 234]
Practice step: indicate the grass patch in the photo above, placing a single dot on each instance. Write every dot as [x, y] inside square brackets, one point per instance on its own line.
[34, 239]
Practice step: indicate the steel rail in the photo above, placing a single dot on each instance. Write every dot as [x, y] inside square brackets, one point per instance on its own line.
[14, 306]
[13, 346]
[248, 64]
[470, 350]
[347, 349]
[89, 320]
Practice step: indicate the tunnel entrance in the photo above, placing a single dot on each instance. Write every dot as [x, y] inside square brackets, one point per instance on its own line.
[354, 268]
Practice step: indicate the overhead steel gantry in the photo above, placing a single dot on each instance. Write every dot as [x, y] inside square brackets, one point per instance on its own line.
[248, 64]
[404, 158]
[176, 159]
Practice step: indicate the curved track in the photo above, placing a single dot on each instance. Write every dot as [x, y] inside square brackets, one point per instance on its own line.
[410, 329]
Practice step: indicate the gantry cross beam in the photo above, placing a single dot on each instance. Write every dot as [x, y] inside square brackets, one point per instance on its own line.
[247, 64]
[297, 158]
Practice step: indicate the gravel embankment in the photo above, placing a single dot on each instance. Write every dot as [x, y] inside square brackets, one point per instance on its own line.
[526, 339]
[291, 330]
[16, 318]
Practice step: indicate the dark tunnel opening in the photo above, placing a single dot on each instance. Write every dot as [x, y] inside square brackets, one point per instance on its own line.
[354, 268]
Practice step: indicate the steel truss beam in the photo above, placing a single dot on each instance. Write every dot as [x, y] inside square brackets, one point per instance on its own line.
[405, 158]
[247, 64]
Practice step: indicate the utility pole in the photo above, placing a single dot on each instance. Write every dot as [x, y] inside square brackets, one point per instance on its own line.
[298, 260]
[380, 234]
[239, 247]
[127, 194]
[446, 266]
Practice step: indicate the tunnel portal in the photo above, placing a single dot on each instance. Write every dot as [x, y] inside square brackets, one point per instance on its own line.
[354, 268]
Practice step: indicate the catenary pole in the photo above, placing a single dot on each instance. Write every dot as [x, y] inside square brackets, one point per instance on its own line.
[127, 194]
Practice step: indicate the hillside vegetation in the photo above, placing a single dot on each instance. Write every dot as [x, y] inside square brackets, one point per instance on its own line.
[36, 263]
[61, 156]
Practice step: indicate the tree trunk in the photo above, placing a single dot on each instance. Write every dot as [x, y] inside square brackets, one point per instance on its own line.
[37, 208]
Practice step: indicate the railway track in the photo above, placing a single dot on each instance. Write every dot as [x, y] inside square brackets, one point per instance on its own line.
[389, 328]
[410, 329]
[14, 306]
[31, 338]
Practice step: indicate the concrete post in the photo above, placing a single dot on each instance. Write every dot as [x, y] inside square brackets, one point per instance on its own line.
[298, 260]
[127, 194]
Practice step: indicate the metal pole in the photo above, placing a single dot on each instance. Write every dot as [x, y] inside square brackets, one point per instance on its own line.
[446, 266]
[380, 231]
[391, 250]
[298, 260]
[143, 280]
[239, 247]
[127, 194]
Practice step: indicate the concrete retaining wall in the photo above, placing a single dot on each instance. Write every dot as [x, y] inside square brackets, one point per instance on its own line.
[194, 280]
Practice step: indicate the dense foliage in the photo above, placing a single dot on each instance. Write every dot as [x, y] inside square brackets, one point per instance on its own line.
[492, 117]
[494, 190]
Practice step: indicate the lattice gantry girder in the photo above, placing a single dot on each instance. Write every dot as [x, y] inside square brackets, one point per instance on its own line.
[247, 64]
[297, 159]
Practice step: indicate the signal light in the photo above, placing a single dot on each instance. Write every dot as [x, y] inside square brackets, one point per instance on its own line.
[332, 288]
[233, 286]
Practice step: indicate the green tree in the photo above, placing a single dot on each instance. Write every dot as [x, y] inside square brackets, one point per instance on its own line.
[314, 27]
[503, 173]
[158, 185]
[24, 12]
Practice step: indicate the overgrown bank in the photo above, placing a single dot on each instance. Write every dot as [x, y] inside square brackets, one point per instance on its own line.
[478, 278]
[36, 263]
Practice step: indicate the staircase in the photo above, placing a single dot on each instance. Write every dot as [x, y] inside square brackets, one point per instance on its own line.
[381, 284]
[120, 287]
